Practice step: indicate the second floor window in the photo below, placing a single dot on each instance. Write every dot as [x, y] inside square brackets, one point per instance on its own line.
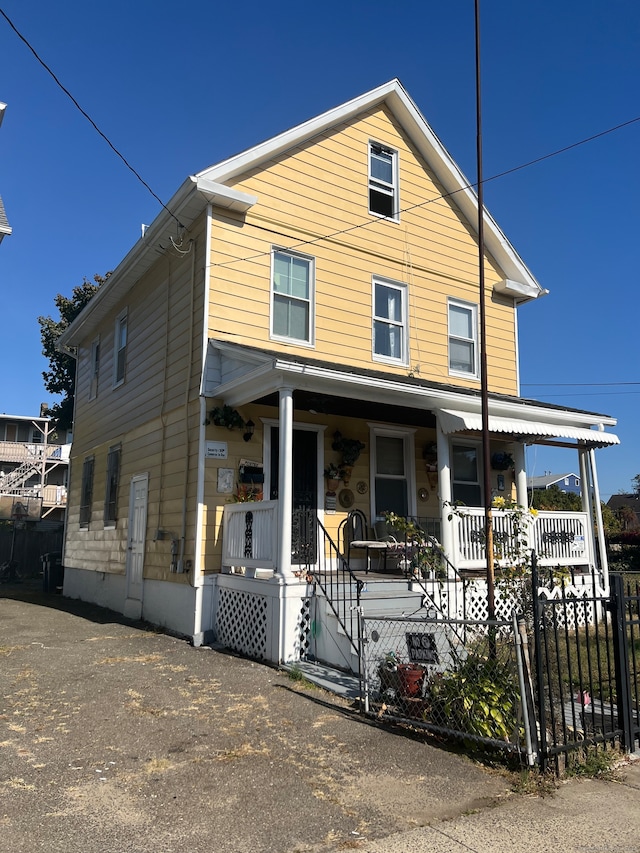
[389, 322]
[120, 349]
[463, 339]
[383, 181]
[292, 297]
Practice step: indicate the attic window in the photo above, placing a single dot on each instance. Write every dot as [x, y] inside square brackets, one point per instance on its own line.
[383, 181]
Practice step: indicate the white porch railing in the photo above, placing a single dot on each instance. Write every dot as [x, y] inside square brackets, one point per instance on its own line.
[250, 534]
[558, 538]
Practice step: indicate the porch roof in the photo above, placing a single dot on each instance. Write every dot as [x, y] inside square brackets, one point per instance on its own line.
[240, 375]
[452, 421]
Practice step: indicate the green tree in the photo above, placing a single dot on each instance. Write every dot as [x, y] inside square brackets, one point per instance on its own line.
[60, 379]
[636, 484]
[554, 498]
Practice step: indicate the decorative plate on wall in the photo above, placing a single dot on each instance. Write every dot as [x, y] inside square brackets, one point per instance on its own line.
[423, 494]
[346, 498]
[362, 487]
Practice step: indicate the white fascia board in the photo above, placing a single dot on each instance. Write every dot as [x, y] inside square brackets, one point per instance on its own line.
[423, 137]
[3, 107]
[278, 373]
[185, 205]
[40, 419]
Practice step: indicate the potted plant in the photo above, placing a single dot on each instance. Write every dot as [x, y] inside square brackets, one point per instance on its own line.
[333, 476]
[430, 456]
[351, 448]
[227, 417]
[501, 461]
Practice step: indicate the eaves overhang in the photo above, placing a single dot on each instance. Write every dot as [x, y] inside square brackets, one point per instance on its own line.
[454, 182]
[458, 409]
[172, 223]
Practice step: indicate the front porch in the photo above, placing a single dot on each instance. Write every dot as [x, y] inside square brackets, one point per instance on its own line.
[313, 613]
[420, 458]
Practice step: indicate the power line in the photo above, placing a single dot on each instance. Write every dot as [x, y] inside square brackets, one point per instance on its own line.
[87, 116]
[367, 221]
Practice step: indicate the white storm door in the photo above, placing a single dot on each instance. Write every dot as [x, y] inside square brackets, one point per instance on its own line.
[137, 534]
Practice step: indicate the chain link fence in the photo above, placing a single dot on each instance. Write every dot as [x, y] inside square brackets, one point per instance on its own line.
[462, 679]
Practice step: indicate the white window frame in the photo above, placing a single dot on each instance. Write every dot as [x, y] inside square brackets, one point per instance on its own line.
[120, 352]
[408, 437]
[384, 187]
[473, 309]
[479, 482]
[310, 260]
[94, 368]
[403, 324]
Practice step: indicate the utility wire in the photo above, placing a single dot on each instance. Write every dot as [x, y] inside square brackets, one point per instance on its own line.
[338, 233]
[443, 196]
[87, 116]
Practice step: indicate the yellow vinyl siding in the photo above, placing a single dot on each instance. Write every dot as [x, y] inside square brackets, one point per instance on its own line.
[147, 415]
[307, 196]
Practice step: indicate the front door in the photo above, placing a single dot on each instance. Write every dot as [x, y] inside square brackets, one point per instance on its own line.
[305, 491]
[135, 544]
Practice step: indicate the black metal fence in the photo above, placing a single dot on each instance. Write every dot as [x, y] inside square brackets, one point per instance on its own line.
[587, 651]
[560, 680]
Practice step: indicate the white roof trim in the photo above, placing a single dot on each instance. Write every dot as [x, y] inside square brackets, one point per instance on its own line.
[430, 147]
[455, 421]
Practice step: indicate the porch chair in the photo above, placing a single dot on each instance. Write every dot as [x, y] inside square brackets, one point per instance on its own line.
[354, 533]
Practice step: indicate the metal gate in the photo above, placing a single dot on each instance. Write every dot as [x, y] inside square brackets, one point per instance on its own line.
[587, 669]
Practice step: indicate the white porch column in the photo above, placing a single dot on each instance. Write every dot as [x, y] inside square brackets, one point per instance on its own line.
[520, 471]
[444, 491]
[285, 481]
[602, 547]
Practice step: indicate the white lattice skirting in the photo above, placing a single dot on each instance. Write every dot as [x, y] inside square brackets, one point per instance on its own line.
[262, 619]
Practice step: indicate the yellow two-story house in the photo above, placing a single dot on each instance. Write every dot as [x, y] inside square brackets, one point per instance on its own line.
[314, 293]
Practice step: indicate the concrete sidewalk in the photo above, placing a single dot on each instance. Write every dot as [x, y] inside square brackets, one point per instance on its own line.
[117, 738]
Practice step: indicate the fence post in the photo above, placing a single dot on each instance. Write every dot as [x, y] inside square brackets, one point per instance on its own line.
[537, 643]
[621, 660]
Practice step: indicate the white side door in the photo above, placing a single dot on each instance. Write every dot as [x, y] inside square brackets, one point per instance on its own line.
[136, 543]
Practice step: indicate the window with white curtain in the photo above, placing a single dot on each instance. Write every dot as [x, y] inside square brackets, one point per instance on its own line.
[389, 321]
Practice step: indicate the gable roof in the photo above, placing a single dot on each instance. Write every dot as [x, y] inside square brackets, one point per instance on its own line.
[548, 480]
[209, 186]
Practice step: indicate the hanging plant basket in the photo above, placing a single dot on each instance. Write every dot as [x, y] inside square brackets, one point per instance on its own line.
[227, 417]
[501, 461]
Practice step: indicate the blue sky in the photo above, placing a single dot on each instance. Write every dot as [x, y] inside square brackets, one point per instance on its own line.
[178, 88]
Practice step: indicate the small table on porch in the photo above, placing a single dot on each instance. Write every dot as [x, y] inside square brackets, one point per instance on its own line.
[381, 546]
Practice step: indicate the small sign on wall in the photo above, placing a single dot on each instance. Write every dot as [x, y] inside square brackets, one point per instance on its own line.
[225, 480]
[215, 450]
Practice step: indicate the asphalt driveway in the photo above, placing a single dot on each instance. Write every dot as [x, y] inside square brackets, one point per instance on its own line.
[116, 738]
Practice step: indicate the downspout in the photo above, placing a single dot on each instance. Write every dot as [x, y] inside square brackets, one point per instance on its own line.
[187, 388]
[198, 568]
